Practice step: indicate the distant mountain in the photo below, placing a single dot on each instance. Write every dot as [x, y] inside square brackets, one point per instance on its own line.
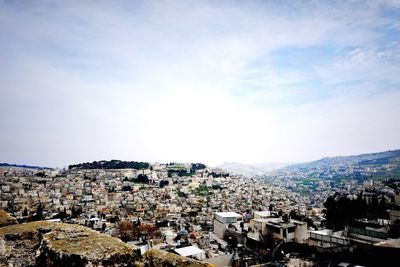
[363, 159]
[24, 166]
[381, 165]
[250, 170]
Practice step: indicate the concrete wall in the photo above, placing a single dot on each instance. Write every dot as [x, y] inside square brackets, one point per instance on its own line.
[301, 233]
[219, 229]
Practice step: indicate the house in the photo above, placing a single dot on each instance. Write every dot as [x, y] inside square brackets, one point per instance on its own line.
[289, 230]
[262, 214]
[327, 240]
[368, 231]
[394, 216]
[223, 219]
[191, 251]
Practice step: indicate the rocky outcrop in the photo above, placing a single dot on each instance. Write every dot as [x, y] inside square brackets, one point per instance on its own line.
[20, 244]
[48, 244]
[58, 244]
[6, 219]
[155, 258]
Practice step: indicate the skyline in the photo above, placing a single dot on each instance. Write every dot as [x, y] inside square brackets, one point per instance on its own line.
[197, 81]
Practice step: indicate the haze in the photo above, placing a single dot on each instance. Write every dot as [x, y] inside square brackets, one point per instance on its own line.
[197, 81]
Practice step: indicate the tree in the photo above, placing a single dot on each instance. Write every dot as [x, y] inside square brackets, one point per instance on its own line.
[163, 183]
[146, 230]
[125, 230]
[25, 212]
[39, 213]
[142, 178]
[293, 214]
[62, 215]
[75, 212]
[271, 207]
[126, 188]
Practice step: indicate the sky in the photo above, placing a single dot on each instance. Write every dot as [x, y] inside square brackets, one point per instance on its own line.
[197, 81]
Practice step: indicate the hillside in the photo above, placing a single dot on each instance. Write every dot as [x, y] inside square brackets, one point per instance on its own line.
[250, 170]
[382, 165]
[3, 164]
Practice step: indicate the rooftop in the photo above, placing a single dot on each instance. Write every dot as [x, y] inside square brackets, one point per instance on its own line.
[265, 213]
[189, 251]
[228, 214]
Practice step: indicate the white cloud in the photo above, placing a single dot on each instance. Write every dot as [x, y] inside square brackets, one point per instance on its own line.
[176, 81]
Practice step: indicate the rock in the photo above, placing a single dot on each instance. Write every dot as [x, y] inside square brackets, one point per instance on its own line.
[59, 244]
[13, 236]
[155, 258]
[47, 244]
[2, 246]
[4, 252]
[79, 246]
[6, 219]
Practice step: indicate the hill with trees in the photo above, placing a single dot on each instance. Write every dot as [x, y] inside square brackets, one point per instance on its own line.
[112, 164]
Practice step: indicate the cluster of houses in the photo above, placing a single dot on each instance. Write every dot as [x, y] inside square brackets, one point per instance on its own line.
[203, 213]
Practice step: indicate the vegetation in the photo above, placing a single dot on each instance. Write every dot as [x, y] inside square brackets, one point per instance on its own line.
[180, 172]
[181, 194]
[197, 166]
[24, 166]
[340, 210]
[142, 179]
[39, 213]
[163, 183]
[24, 227]
[6, 219]
[218, 174]
[201, 190]
[113, 164]
[128, 231]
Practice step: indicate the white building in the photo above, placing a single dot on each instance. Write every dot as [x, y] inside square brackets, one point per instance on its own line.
[262, 214]
[191, 251]
[289, 231]
[327, 239]
[223, 219]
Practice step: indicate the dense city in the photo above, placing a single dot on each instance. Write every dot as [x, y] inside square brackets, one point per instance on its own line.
[207, 214]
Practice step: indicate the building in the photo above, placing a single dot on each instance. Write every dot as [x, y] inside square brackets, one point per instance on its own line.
[394, 216]
[289, 231]
[191, 251]
[327, 240]
[368, 231]
[224, 219]
[262, 214]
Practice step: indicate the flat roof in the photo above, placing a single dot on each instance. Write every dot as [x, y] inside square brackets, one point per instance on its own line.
[322, 232]
[275, 222]
[264, 213]
[189, 251]
[228, 214]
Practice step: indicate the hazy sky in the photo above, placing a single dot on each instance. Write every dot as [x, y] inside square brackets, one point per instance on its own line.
[197, 81]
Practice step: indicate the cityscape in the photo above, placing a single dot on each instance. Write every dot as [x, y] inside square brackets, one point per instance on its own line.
[178, 214]
[199, 133]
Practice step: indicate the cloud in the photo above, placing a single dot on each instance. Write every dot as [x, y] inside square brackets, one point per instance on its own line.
[196, 81]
